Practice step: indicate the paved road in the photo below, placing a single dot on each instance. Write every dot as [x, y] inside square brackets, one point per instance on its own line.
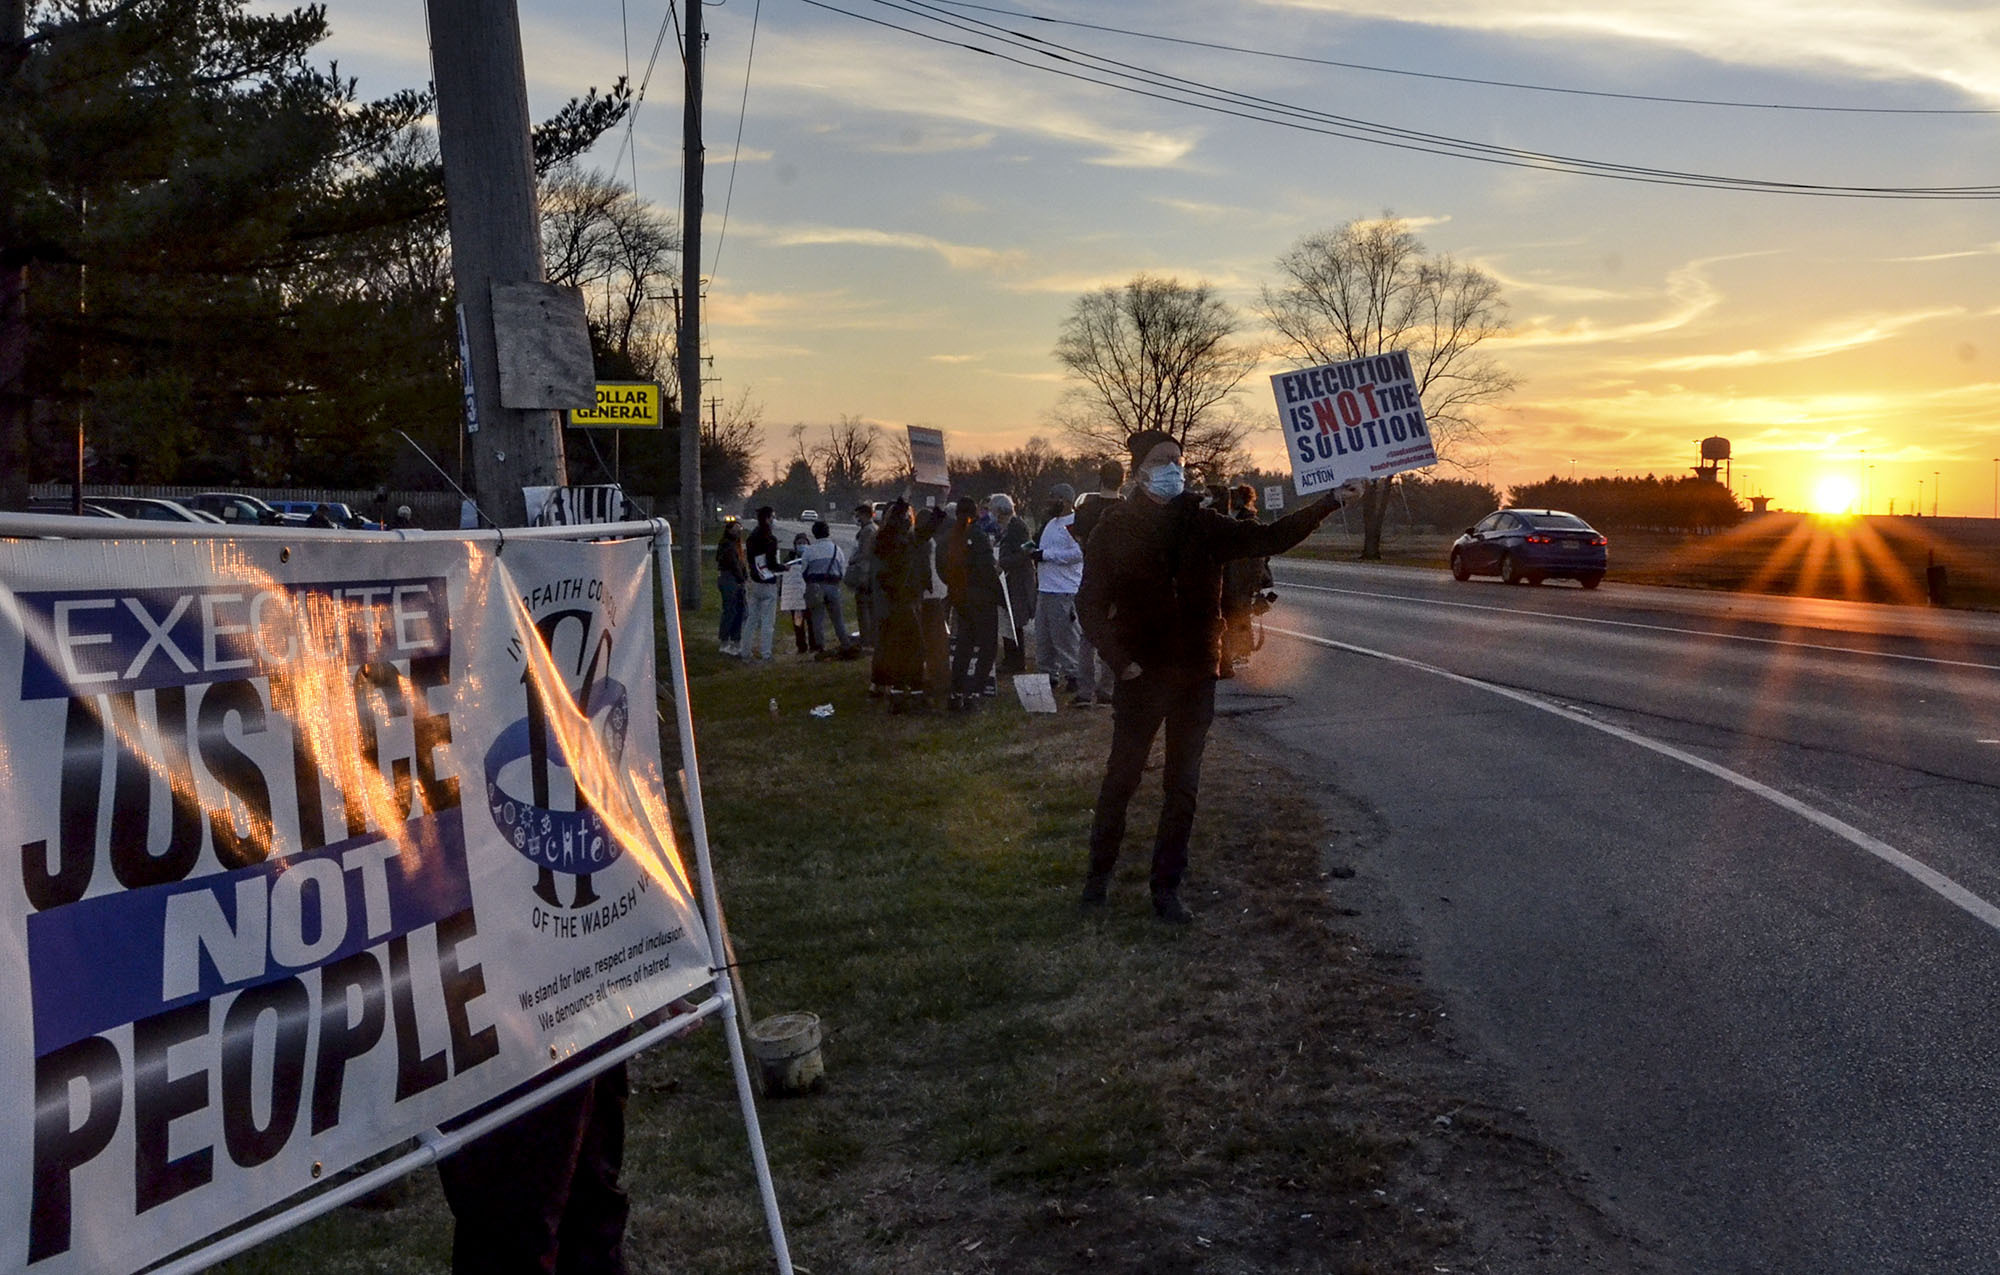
[1725, 915]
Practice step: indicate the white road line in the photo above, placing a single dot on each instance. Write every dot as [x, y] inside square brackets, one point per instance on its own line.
[1930, 878]
[1634, 624]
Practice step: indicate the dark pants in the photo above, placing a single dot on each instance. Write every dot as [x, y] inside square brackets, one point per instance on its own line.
[978, 637]
[937, 648]
[1184, 699]
[734, 604]
[868, 616]
[540, 1195]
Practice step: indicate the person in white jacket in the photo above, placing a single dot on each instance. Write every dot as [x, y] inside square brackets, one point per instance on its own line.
[1058, 575]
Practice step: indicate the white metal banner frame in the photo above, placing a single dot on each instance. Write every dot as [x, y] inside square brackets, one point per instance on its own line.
[551, 604]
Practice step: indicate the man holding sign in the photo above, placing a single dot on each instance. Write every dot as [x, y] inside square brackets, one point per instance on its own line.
[1151, 603]
[1358, 419]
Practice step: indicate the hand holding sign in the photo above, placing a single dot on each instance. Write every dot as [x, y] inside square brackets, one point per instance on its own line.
[1354, 420]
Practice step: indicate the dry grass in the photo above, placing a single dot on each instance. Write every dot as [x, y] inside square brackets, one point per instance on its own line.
[1011, 1087]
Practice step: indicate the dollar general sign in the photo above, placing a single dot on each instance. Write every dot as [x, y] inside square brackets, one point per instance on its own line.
[622, 405]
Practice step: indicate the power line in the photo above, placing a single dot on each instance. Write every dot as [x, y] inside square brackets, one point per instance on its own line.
[736, 155]
[1470, 79]
[1202, 96]
[672, 15]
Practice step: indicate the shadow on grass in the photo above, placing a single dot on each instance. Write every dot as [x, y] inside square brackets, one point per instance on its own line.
[1011, 1087]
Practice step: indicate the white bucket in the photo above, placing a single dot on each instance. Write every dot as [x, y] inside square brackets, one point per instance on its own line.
[787, 1051]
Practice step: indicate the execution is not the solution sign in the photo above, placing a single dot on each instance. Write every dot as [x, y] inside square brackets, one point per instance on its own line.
[1358, 419]
[621, 405]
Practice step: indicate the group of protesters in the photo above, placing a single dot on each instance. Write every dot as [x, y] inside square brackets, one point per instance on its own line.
[951, 599]
[1139, 596]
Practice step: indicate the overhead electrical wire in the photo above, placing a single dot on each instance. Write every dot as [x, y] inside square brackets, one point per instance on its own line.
[1473, 79]
[1144, 82]
[673, 16]
[736, 155]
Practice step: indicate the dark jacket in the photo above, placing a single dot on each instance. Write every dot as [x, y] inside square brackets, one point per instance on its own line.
[1244, 578]
[762, 547]
[730, 560]
[1152, 577]
[1017, 563]
[1089, 512]
[965, 561]
[861, 570]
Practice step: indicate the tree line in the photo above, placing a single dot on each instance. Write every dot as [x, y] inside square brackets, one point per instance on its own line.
[238, 270]
[1636, 504]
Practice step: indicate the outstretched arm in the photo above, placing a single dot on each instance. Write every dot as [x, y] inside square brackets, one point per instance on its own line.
[1240, 538]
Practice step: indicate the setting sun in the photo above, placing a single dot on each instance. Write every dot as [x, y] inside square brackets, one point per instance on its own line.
[1835, 495]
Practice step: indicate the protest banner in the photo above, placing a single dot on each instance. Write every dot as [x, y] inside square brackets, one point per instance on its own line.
[1358, 419]
[927, 457]
[312, 845]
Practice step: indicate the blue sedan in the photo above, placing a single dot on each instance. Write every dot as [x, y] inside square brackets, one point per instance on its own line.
[1528, 546]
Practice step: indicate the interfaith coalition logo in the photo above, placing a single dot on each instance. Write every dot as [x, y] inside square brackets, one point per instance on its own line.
[531, 792]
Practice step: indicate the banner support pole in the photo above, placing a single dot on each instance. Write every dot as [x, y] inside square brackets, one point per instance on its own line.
[718, 936]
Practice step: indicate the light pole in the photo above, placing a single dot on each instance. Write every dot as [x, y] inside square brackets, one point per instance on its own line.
[1920, 497]
[1868, 493]
[1937, 488]
[1572, 469]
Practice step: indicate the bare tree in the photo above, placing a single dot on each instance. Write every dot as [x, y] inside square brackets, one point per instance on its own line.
[730, 434]
[849, 456]
[1153, 354]
[1370, 287]
[801, 453]
[624, 253]
[900, 467]
[1027, 472]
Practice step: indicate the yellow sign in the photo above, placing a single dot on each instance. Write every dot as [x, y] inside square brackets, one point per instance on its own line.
[622, 405]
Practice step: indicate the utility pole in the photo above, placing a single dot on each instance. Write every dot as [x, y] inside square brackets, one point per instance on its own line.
[489, 183]
[690, 333]
[14, 401]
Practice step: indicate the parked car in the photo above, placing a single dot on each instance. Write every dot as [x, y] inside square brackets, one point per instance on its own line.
[240, 510]
[151, 509]
[302, 511]
[1528, 546]
[61, 505]
[809, 516]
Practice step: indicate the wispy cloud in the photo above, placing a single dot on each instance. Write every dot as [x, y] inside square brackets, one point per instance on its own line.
[1688, 289]
[955, 358]
[1837, 338]
[924, 83]
[1984, 250]
[819, 311]
[1937, 40]
[958, 256]
[914, 141]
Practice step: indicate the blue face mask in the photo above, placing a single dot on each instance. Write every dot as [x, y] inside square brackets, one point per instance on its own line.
[1167, 481]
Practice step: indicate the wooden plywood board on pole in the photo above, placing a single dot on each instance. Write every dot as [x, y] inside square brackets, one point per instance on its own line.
[544, 347]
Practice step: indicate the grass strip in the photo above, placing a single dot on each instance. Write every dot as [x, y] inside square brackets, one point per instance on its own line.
[1011, 1087]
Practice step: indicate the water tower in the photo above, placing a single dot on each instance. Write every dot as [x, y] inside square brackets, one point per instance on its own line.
[1714, 455]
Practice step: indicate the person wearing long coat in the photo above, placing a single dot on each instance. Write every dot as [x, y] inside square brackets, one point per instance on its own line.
[1016, 546]
[902, 573]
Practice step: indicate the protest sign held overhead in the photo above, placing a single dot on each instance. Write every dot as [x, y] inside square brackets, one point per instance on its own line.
[312, 847]
[927, 457]
[1358, 419]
